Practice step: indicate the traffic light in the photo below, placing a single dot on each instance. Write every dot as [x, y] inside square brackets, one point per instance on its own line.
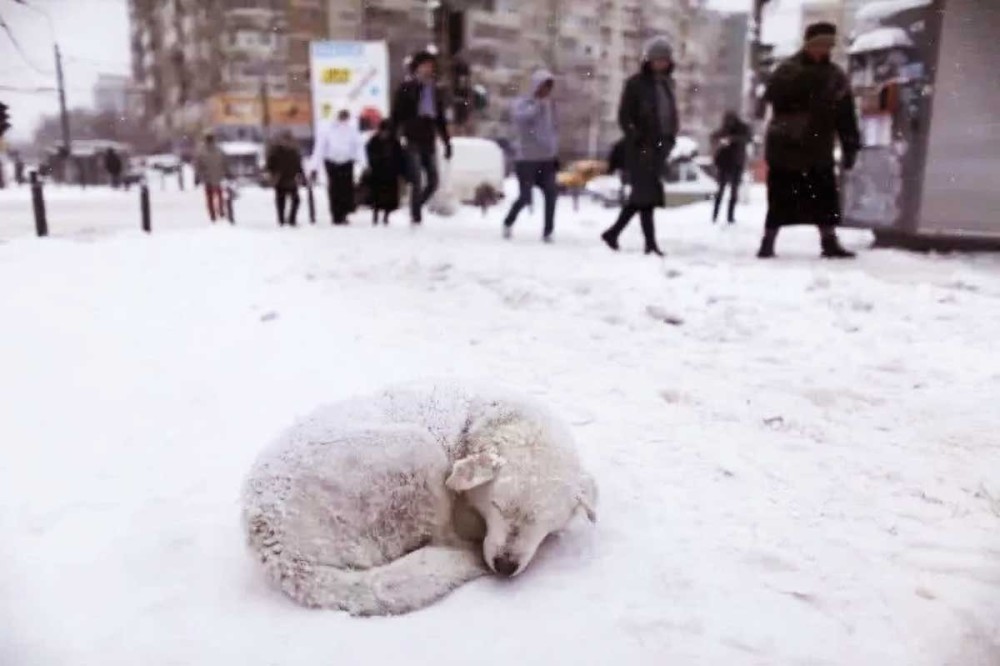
[764, 56]
[4, 119]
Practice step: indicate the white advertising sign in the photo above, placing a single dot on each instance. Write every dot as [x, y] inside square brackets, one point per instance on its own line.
[352, 76]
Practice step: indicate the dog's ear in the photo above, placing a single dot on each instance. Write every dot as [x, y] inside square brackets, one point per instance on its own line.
[587, 497]
[473, 471]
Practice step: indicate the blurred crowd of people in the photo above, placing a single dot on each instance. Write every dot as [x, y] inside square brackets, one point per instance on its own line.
[810, 98]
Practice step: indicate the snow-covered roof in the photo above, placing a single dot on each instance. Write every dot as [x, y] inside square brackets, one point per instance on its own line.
[880, 39]
[877, 11]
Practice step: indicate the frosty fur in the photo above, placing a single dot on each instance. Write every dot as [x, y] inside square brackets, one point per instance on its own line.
[383, 505]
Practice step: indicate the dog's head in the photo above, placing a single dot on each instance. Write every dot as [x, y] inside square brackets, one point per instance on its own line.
[523, 495]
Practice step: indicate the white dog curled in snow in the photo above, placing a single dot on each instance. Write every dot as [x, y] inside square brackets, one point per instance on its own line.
[385, 504]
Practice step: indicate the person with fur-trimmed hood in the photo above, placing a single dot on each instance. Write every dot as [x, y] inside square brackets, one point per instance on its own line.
[648, 117]
[811, 105]
[418, 116]
[537, 147]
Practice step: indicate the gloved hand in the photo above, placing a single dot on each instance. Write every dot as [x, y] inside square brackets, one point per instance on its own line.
[447, 151]
[849, 158]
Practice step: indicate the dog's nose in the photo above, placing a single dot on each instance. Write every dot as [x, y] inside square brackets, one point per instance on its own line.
[504, 565]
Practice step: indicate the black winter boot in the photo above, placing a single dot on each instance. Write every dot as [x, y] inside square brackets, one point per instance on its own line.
[610, 239]
[766, 250]
[832, 249]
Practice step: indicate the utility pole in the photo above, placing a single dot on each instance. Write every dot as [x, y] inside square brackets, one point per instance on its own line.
[265, 97]
[756, 78]
[63, 115]
[265, 106]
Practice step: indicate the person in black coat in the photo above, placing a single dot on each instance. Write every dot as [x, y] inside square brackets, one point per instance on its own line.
[812, 106]
[730, 142]
[418, 116]
[648, 117]
[386, 165]
[284, 165]
[114, 165]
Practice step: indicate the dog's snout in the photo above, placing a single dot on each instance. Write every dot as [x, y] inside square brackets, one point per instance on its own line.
[505, 566]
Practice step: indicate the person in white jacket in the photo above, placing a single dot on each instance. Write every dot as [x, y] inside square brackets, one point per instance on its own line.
[337, 147]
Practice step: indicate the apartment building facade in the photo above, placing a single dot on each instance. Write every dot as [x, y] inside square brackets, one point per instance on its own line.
[232, 66]
[592, 46]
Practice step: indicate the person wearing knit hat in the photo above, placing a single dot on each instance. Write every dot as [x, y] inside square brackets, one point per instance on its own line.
[418, 117]
[811, 108]
[648, 117]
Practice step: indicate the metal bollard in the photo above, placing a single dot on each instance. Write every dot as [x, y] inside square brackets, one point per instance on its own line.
[38, 203]
[180, 177]
[147, 224]
[312, 203]
[230, 213]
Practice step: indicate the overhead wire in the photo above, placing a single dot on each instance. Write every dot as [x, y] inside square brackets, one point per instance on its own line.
[17, 47]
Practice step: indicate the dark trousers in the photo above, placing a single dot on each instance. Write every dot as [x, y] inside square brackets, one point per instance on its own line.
[731, 178]
[282, 196]
[340, 184]
[421, 161]
[645, 218]
[530, 175]
[213, 197]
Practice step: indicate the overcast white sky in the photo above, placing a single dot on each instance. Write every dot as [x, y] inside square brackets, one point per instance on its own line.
[93, 35]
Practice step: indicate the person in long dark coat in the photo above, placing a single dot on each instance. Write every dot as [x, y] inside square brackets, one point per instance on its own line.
[386, 165]
[114, 165]
[648, 117]
[730, 142]
[284, 165]
[812, 105]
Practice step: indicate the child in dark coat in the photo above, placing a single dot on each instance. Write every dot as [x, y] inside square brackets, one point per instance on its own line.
[386, 165]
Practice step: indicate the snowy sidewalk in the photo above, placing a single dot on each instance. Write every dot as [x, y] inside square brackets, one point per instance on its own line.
[802, 468]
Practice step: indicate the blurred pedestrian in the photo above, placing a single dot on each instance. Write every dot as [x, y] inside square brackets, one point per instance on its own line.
[284, 166]
[386, 165]
[114, 165]
[418, 116]
[337, 147]
[811, 105]
[536, 147]
[19, 169]
[730, 143]
[648, 117]
[210, 170]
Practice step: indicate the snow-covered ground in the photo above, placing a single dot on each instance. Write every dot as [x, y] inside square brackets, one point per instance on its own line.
[803, 468]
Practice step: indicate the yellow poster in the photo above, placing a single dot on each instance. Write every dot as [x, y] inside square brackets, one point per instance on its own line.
[248, 110]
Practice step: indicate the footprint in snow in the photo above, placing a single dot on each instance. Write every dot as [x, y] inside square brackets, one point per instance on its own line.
[661, 314]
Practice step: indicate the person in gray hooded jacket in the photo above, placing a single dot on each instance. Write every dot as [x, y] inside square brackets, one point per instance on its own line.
[536, 148]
